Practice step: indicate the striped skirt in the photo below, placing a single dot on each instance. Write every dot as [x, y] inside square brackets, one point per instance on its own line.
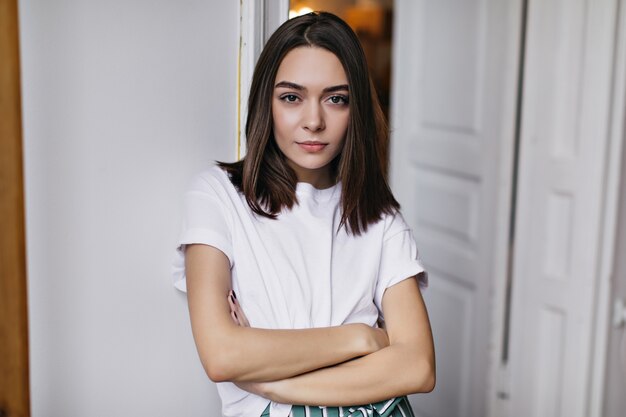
[395, 407]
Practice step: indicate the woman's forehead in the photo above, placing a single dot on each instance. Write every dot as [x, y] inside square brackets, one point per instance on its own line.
[311, 67]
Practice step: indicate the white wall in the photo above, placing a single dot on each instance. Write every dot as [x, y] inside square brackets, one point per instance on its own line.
[123, 100]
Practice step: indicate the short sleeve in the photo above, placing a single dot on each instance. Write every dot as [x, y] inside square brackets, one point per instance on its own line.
[205, 221]
[399, 259]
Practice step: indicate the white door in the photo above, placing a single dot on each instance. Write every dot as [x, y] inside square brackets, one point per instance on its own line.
[453, 129]
[563, 160]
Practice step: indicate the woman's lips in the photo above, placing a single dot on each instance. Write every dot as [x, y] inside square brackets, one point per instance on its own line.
[312, 146]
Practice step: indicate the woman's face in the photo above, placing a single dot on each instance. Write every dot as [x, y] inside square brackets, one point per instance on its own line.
[310, 112]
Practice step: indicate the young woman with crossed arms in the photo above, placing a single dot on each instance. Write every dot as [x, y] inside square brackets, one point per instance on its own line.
[293, 255]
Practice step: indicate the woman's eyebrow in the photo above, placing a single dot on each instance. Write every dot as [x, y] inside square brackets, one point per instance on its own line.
[341, 87]
[294, 86]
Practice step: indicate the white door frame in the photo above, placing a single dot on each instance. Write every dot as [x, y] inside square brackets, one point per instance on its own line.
[498, 389]
[258, 20]
[610, 213]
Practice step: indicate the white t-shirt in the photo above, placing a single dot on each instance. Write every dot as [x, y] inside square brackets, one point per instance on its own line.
[294, 272]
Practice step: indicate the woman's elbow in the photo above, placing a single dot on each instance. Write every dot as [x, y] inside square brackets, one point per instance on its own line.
[219, 367]
[216, 373]
[424, 379]
[429, 380]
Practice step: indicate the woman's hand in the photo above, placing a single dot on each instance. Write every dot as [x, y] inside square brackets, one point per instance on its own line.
[378, 339]
[236, 312]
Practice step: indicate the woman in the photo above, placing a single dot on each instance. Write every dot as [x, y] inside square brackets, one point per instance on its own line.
[305, 237]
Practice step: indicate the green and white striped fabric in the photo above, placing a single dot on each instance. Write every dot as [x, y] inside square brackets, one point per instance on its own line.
[395, 407]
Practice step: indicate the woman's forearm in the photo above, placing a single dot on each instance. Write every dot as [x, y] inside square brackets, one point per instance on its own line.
[390, 372]
[406, 366]
[251, 354]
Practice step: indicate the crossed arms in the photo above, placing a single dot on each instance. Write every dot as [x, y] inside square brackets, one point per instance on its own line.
[333, 366]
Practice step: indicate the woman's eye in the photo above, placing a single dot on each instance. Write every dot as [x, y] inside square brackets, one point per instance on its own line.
[290, 98]
[339, 99]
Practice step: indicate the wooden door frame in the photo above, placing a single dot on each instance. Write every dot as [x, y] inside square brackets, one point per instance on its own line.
[14, 371]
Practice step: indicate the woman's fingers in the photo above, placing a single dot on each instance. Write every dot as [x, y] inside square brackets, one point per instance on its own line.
[243, 320]
[231, 304]
[234, 316]
[231, 301]
[236, 311]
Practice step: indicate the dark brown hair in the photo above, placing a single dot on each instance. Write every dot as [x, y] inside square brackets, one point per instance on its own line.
[263, 175]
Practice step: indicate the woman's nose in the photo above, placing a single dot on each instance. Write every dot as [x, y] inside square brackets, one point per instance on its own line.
[313, 117]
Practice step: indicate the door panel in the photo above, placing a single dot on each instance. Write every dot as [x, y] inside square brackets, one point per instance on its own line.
[450, 306]
[452, 135]
[563, 155]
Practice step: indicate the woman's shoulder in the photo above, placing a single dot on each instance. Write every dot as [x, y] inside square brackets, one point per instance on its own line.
[213, 180]
[394, 222]
[390, 223]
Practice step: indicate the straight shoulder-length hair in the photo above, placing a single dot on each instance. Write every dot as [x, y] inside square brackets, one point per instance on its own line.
[264, 176]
